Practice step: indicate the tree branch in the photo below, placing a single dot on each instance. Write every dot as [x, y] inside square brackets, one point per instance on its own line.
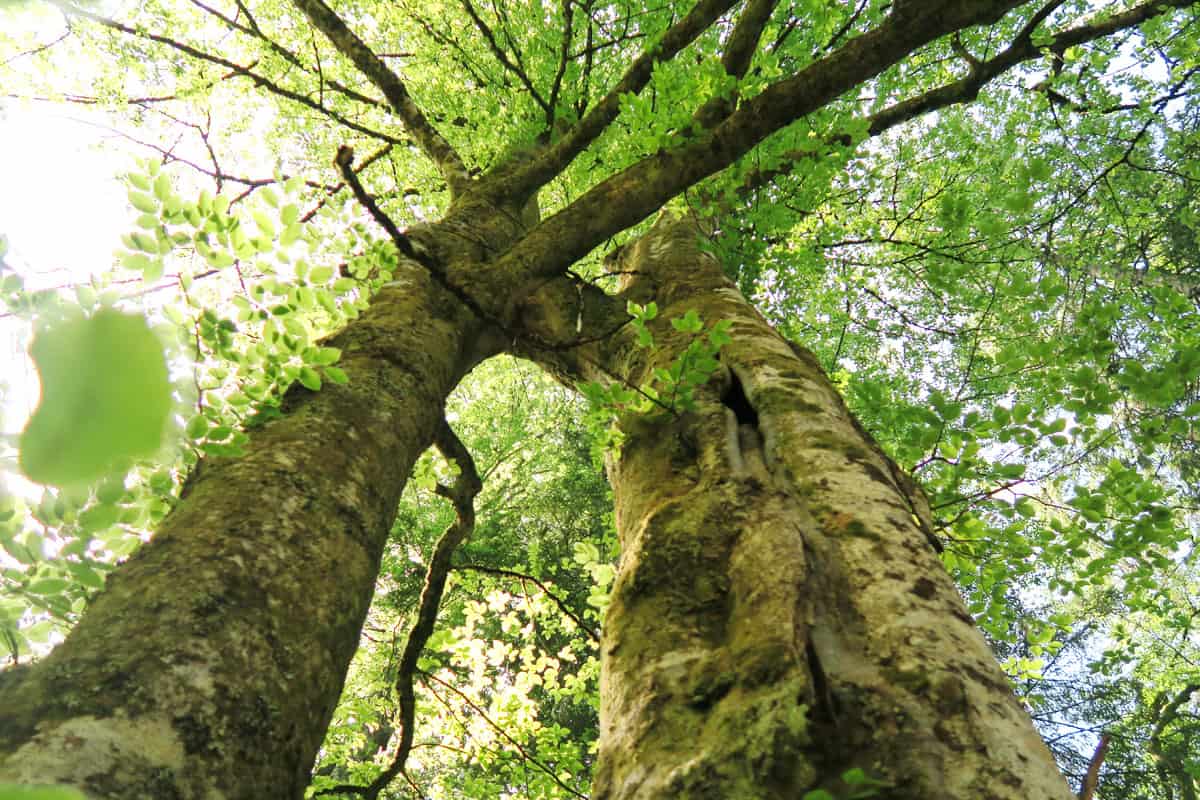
[528, 177]
[251, 29]
[344, 162]
[627, 197]
[739, 52]
[558, 601]
[1092, 779]
[462, 495]
[564, 58]
[502, 57]
[432, 143]
[525, 754]
[237, 69]
[961, 91]
[1022, 49]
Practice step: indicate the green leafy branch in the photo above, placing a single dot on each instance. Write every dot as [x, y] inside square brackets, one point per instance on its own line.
[671, 390]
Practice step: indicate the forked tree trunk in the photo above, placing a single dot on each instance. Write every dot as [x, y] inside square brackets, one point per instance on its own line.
[779, 615]
[778, 619]
[210, 665]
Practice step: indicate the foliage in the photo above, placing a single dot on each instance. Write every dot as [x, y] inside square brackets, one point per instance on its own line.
[1006, 291]
[507, 691]
[670, 390]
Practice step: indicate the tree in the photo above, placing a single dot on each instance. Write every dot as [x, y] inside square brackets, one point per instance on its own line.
[780, 623]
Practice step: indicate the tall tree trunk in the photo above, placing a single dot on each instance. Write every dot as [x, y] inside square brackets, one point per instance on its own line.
[780, 616]
[211, 663]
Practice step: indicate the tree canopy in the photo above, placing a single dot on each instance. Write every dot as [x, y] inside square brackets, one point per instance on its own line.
[981, 217]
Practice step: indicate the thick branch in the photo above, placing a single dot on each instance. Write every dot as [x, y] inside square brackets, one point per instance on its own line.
[743, 42]
[1092, 779]
[344, 162]
[372, 66]
[629, 196]
[739, 52]
[966, 89]
[564, 58]
[1022, 49]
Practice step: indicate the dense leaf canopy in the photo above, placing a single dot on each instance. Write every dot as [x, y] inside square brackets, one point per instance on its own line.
[991, 242]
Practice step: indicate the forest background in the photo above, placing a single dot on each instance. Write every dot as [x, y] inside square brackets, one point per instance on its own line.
[988, 241]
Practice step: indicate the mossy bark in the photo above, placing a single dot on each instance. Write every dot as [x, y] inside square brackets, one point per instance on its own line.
[780, 616]
[210, 664]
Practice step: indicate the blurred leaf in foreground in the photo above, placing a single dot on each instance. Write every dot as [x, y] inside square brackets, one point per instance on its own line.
[105, 398]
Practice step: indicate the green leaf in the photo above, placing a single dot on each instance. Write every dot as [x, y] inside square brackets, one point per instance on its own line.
[688, 323]
[47, 586]
[264, 224]
[220, 433]
[153, 270]
[219, 260]
[85, 575]
[197, 427]
[162, 186]
[325, 355]
[336, 375]
[86, 295]
[719, 336]
[854, 776]
[310, 378]
[105, 398]
[99, 517]
[147, 244]
[143, 202]
[290, 234]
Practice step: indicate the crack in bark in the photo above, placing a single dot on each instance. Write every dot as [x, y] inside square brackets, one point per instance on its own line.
[826, 702]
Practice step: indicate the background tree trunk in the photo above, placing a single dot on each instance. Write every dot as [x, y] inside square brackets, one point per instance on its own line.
[211, 663]
[779, 616]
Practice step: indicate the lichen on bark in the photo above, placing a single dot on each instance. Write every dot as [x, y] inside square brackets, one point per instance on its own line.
[779, 615]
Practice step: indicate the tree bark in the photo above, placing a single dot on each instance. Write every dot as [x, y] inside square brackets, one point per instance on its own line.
[779, 616]
[210, 665]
